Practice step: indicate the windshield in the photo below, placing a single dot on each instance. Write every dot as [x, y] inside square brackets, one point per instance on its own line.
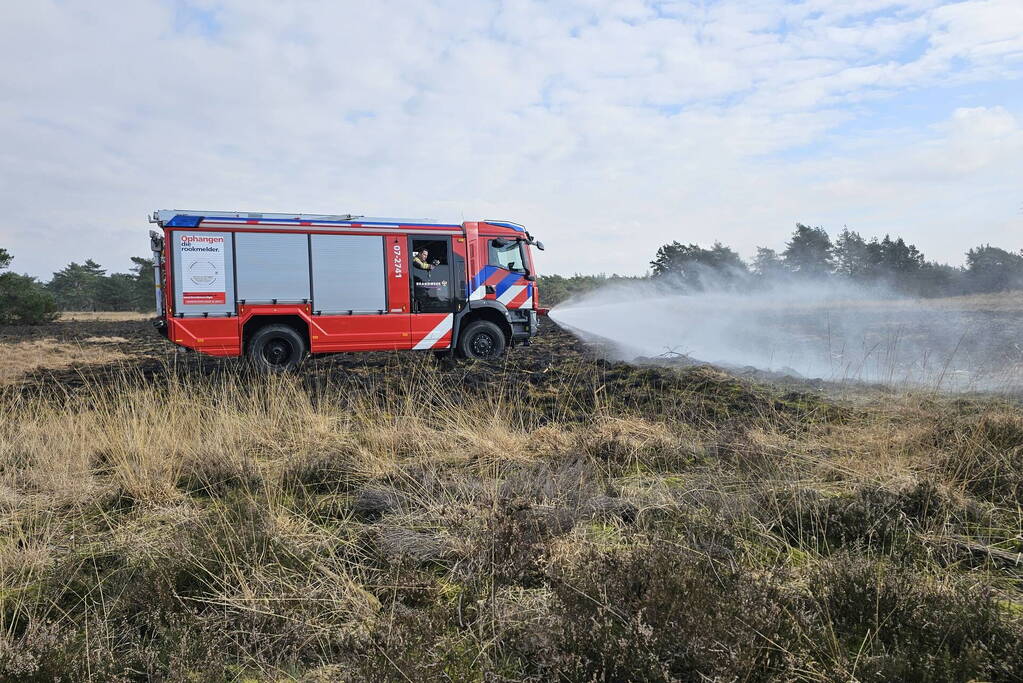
[507, 255]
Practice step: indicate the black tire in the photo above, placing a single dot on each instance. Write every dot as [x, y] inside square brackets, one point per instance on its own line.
[276, 348]
[481, 339]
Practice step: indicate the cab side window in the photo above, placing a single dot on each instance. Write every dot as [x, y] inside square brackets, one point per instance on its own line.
[431, 276]
[506, 254]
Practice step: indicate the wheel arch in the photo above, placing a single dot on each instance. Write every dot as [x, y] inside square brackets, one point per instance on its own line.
[258, 322]
[492, 312]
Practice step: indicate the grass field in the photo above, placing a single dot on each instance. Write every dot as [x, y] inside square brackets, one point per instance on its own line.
[556, 516]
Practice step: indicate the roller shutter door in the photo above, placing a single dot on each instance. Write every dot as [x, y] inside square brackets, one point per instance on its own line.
[348, 274]
[272, 267]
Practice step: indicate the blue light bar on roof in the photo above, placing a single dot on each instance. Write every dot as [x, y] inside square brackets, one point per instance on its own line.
[184, 221]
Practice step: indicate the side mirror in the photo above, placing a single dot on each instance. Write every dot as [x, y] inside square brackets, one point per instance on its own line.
[155, 241]
[539, 245]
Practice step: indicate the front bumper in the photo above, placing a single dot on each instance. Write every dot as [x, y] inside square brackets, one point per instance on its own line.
[524, 323]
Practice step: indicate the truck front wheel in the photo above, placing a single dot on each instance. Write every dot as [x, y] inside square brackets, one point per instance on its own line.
[481, 339]
[276, 348]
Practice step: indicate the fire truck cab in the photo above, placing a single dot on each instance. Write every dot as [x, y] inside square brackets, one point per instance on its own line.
[274, 287]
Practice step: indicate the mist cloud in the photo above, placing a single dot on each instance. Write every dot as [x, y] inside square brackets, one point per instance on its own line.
[829, 329]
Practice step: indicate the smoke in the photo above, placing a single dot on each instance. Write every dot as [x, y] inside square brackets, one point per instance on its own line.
[827, 329]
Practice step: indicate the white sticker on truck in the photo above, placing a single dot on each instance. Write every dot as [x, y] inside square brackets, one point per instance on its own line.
[202, 270]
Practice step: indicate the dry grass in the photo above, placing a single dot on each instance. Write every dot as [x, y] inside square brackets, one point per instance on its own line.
[106, 316]
[1001, 301]
[105, 340]
[20, 358]
[224, 526]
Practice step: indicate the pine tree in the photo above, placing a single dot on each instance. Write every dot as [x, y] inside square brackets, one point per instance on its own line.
[851, 255]
[77, 287]
[144, 284]
[809, 252]
[695, 267]
[767, 264]
[990, 269]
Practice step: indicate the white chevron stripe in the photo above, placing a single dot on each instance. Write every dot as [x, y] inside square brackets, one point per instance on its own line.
[510, 294]
[434, 335]
[479, 293]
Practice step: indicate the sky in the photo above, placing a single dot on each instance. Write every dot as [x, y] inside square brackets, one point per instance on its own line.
[607, 127]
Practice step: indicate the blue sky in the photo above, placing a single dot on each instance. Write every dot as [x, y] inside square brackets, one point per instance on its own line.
[607, 126]
[193, 18]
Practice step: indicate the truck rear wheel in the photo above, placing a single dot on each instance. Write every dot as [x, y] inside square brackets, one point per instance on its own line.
[276, 348]
[481, 339]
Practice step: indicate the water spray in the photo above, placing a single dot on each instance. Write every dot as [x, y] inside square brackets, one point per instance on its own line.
[833, 331]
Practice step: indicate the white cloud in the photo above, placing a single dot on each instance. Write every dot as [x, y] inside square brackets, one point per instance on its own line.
[608, 127]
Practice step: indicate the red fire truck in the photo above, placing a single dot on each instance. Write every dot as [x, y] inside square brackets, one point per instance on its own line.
[274, 287]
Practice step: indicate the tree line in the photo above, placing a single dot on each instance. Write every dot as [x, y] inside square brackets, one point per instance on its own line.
[811, 253]
[77, 287]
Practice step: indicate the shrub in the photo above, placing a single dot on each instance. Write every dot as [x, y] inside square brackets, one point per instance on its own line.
[870, 518]
[23, 301]
[988, 458]
[514, 543]
[661, 614]
[893, 623]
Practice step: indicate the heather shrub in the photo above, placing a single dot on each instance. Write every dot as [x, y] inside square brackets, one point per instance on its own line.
[892, 622]
[665, 613]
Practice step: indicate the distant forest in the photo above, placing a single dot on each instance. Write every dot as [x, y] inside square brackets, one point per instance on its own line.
[887, 262]
[76, 287]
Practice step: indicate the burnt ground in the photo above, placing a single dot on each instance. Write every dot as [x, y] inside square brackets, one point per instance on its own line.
[154, 356]
[557, 375]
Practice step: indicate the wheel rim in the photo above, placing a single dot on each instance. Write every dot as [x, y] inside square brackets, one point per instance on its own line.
[482, 345]
[277, 352]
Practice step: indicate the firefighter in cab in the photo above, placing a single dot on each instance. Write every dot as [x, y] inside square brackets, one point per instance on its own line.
[422, 274]
[420, 261]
